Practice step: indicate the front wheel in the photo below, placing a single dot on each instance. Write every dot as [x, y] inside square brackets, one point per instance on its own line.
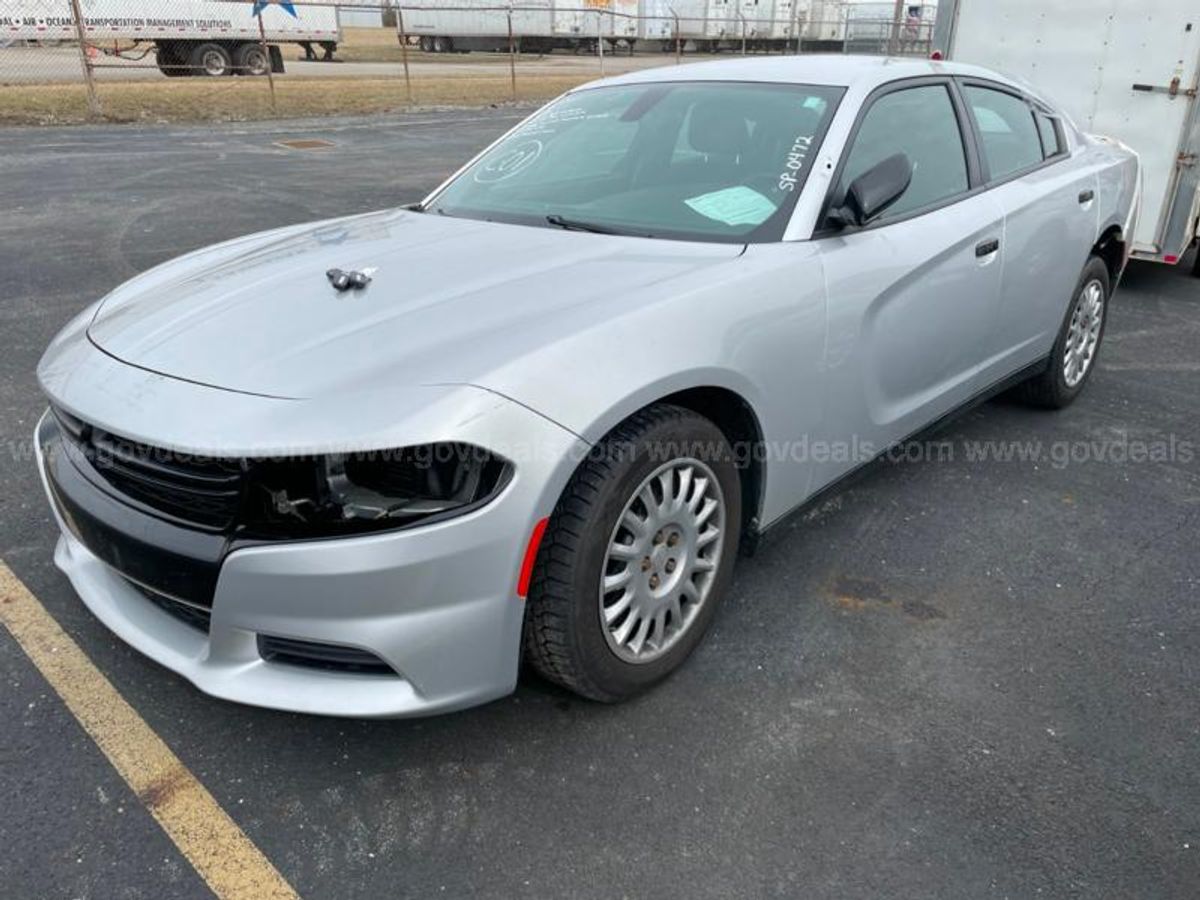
[1074, 353]
[636, 557]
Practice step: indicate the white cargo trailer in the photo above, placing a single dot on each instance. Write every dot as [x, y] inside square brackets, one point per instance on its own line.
[705, 23]
[191, 37]
[721, 24]
[825, 23]
[768, 23]
[537, 25]
[1124, 69]
[588, 19]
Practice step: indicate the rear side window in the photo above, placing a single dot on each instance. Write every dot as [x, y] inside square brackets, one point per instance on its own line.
[1052, 144]
[919, 122]
[1007, 130]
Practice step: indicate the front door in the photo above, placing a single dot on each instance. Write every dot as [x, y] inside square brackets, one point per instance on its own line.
[912, 296]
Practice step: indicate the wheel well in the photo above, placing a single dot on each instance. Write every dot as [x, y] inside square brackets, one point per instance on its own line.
[1111, 249]
[737, 421]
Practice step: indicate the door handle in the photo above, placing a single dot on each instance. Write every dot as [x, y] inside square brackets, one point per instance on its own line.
[1086, 196]
[988, 247]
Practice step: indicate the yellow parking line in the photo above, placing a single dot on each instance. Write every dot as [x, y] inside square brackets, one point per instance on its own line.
[219, 851]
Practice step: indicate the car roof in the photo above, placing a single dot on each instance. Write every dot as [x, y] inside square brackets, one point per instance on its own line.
[863, 73]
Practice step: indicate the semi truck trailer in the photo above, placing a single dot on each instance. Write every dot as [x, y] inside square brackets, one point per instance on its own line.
[537, 25]
[188, 37]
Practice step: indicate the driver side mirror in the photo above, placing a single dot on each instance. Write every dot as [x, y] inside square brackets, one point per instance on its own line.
[872, 192]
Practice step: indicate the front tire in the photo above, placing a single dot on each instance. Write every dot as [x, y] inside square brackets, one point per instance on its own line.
[637, 556]
[1073, 356]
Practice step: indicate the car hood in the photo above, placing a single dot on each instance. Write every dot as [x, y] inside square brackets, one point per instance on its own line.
[449, 299]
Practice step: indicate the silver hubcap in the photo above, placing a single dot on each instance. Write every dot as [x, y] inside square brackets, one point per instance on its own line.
[662, 560]
[214, 63]
[1083, 333]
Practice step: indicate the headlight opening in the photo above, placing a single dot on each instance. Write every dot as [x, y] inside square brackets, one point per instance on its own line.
[372, 490]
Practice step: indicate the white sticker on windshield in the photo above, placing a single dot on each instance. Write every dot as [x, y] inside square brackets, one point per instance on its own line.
[734, 206]
[509, 163]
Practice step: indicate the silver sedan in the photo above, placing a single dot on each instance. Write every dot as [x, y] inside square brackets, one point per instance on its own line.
[361, 467]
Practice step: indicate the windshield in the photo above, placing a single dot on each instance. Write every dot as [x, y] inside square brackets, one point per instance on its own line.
[709, 161]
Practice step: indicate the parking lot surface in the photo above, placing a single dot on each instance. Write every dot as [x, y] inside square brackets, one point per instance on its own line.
[971, 674]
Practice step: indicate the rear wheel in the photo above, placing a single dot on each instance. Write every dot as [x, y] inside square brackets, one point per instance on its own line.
[426, 43]
[212, 60]
[443, 45]
[1074, 353]
[636, 557]
[251, 59]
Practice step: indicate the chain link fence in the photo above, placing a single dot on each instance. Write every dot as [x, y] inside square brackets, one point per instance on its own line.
[68, 60]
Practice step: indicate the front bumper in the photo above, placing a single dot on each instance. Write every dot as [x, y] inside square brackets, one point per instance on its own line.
[437, 603]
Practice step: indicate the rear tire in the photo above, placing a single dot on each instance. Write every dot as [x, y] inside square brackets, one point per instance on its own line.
[251, 59]
[636, 557]
[212, 60]
[1073, 357]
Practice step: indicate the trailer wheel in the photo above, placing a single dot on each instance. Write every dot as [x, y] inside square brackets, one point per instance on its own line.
[443, 45]
[212, 60]
[426, 43]
[251, 59]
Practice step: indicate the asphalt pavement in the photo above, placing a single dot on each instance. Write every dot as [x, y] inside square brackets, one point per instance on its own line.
[962, 677]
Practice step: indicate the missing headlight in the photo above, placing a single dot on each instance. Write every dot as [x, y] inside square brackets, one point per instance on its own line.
[375, 489]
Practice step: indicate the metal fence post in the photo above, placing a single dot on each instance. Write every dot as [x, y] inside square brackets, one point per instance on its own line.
[678, 42]
[262, 40]
[600, 40]
[93, 102]
[512, 56]
[408, 95]
[743, 18]
[897, 20]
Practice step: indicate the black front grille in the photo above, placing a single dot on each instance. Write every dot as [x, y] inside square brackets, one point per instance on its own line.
[189, 613]
[331, 657]
[196, 490]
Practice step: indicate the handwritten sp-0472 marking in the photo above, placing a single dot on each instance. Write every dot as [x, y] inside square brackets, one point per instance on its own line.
[796, 156]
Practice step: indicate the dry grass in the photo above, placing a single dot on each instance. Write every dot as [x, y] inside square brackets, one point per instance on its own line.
[241, 99]
[372, 45]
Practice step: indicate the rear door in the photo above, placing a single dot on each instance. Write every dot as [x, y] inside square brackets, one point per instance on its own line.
[912, 296]
[1050, 221]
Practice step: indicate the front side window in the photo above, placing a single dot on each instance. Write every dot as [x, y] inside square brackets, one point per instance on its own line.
[1006, 129]
[920, 123]
[688, 160]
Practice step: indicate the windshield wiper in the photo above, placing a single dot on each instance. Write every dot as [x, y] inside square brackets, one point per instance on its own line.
[577, 225]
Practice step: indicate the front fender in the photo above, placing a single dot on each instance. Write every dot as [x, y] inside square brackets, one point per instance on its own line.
[754, 326]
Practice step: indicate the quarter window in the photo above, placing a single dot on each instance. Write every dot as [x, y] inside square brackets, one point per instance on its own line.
[920, 123]
[1006, 129]
[1052, 144]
